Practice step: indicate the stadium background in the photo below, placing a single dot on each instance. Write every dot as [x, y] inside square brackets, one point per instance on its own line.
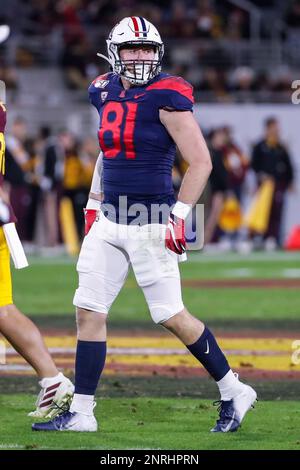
[242, 58]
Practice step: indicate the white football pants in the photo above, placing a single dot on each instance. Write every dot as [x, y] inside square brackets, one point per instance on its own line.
[106, 254]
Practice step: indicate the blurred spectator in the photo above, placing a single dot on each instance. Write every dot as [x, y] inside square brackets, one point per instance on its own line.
[214, 83]
[88, 152]
[180, 22]
[237, 25]
[209, 23]
[293, 15]
[9, 76]
[40, 171]
[33, 169]
[52, 185]
[264, 3]
[215, 56]
[75, 185]
[70, 19]
[243, 83]
[75, 62]
[42, 17]
[24, 56]
[281, 82]
[236, 164]
[218, 182]
[206, 43]
[69, 176]
[69, 32]
[17, 159]
[270, 159]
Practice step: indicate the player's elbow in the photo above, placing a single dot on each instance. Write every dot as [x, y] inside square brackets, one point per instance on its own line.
[209, 165]
[203, 163]
[202, 158]
[206, 161]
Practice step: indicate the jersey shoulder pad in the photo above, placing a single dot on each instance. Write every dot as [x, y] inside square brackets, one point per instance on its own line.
[102, 80]
[99, 84]
[175, 92]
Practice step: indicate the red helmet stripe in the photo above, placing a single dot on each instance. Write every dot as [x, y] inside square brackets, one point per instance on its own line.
[136, 26]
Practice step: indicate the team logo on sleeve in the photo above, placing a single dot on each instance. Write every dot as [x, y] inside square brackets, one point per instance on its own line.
[101, 83]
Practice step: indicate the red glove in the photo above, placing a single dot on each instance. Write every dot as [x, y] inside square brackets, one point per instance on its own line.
[175, 238]
[90, 215]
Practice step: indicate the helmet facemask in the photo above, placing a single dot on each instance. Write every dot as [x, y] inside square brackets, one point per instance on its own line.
[139, 71]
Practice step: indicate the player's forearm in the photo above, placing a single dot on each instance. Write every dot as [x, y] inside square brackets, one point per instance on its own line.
[186, 133]
[96, 185]
[96, 194]
[194, 151]
[96, 197]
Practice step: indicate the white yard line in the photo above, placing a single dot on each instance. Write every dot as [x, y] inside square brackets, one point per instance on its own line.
[193, 257]
[198, 257]
[238, 273]
[291, 273]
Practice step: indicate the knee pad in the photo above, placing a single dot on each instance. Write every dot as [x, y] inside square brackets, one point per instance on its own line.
[88, 299]
[162, 312]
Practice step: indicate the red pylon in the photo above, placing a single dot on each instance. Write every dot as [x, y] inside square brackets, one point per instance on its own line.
[293, 240]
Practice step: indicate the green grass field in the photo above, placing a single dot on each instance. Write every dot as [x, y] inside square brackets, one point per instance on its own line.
[47, 287]
[147, 423]
[158, 420]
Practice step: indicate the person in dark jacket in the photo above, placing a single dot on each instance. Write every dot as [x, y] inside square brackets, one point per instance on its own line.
[270, 159]
[218, 182]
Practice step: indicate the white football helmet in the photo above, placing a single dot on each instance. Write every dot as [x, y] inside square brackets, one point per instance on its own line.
[130, 32]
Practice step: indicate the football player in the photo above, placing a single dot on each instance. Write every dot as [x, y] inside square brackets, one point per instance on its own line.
[56, 389]
[144, 114]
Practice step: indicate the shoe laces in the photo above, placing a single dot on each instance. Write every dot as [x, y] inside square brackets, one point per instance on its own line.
[63, 407]
[62, 419]
[225, 410]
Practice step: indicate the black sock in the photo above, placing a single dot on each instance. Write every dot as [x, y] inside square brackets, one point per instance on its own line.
[90, 360]
[207, 351]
